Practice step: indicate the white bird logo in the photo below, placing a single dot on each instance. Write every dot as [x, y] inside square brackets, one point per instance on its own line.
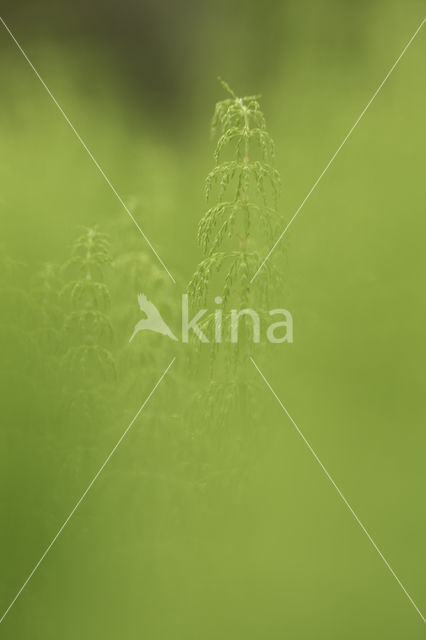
[153, 320]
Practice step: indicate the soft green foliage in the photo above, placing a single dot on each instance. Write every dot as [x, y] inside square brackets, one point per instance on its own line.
[180, 538]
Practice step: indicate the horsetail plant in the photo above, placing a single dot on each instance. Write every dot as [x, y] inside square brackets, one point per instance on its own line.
[87, 324]
[233, 234]
[233, 231]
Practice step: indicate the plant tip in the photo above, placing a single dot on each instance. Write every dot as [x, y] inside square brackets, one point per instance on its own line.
[226, 86]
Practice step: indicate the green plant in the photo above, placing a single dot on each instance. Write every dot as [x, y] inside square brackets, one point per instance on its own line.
[87, 326]
[234, 231]
[233, 234]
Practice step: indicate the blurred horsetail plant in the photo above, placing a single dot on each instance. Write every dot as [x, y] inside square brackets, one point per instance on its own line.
[87, 325]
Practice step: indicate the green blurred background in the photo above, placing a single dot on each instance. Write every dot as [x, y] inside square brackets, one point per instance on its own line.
[146, 556]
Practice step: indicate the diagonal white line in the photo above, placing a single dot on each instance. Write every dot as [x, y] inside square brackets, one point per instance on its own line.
[86, 491]
[339, 491]
[330, 162]
[86, 148]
